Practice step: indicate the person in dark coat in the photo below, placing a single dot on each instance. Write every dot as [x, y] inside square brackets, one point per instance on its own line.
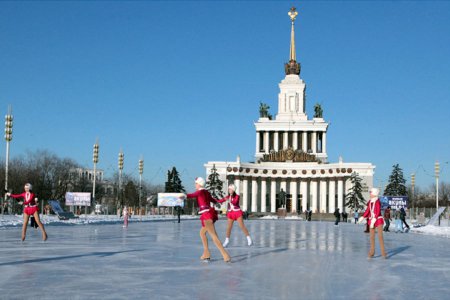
[337, 214]
[403, 217]
[387, 218]
[179, 211]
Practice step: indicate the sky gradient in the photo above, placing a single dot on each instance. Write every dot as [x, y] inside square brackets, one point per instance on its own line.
[180, 82]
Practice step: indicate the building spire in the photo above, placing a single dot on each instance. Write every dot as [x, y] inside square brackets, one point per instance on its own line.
[292, 14]
[292, 67]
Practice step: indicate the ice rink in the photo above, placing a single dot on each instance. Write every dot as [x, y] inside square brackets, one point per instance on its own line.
[160, 260]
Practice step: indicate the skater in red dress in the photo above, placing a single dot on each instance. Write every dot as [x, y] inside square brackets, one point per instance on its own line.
[30, 209]
[208, 216]
[375, 221]
[234, 213]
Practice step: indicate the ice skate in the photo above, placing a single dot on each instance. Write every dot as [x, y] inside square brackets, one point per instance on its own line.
[227, 241]
[249, 241]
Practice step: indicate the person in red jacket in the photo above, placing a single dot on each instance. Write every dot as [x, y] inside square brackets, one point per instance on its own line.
[234, 213]
[375, 221]
[208, 217]
[30, 209]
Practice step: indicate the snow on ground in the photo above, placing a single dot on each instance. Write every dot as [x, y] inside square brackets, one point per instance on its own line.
[432, 230]
[17, 220]
[160, 260]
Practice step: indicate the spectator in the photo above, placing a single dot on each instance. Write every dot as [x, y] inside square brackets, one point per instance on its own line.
[387, 218]
[337, 216]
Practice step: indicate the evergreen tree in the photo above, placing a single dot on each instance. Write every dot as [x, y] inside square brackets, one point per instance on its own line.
[214, 184]
[354, 198]
[396, 185]
[173, 183]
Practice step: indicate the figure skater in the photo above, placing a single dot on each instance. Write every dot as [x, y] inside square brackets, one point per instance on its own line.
[30, 209]
[208, 216]
[234, 213]
[125, 216]
[375, 221]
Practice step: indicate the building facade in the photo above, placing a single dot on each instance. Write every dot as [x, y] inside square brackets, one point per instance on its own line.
[291, 156]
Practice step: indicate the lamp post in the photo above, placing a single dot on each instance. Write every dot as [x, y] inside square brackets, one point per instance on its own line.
[413, 183]
[121, 156]
[8, 139]
[141, 171]
[95, 160]
[436, 173]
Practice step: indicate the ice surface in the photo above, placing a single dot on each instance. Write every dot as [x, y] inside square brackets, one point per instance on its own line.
[290, 259]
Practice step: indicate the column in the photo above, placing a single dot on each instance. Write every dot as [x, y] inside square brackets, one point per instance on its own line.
[257, 142]
[294, 193]
[332, 195]
[245, 194]
[295, 140]
[275, 141]
[340, 194]
[237, 183]
[254, 194]
[305, 141]
[263, 194]
[324, 142]
[304, 192]
[273, 195]
[266, 142]
[323, 196]
[313, 186]
[314, 142]
[285, 140]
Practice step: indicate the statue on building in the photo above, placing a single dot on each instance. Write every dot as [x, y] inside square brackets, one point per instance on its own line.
[292, 68]
[264, 110]
[318, 111]
[282, 198]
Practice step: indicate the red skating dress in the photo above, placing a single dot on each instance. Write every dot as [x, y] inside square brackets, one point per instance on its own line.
[234, 211]
[29, 203]
[373, 213]
[204, 199]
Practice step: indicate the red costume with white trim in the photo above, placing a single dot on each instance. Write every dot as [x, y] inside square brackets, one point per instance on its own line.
[204, 200]
[234, 211]
[373, 213]
[29, 203]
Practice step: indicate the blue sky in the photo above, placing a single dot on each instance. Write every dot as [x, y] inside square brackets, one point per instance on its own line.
[180, 82]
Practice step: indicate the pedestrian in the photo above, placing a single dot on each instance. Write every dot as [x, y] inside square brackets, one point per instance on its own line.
[309, 214]
[403, 218]
[337, 215]
[179, 210]
[234, 213]
[398, 222]
[208, 217]
[387, 218]
[30, 209]
[344, 216]
[356, 216]
[375, 220]
[125, 215]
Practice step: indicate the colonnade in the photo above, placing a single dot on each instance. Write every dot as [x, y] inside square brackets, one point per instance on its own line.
[308, 141]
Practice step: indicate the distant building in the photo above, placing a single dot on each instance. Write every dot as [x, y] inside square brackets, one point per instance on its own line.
[291, 155]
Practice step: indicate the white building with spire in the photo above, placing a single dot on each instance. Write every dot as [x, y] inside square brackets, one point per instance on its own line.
[291, 156]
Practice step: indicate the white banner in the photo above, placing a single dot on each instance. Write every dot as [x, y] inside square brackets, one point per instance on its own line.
[171, 199]
[78, 199]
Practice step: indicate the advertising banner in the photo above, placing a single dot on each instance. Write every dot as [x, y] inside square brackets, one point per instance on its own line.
[394, 202]
[78, 199]
[171, 199]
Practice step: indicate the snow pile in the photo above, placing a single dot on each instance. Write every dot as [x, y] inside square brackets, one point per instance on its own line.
[17, 220]
[269, 218]
[433, 230]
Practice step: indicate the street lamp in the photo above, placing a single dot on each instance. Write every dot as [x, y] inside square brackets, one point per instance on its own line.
[8, 139]
[436, 173]
[141, 171]
[95, 160]
[413, 183]
[120, 176]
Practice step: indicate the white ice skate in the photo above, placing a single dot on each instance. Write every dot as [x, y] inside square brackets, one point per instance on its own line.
[249, 241]
[227, 241]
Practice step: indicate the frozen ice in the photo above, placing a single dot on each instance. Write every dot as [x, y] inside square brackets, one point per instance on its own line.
[290, 259]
